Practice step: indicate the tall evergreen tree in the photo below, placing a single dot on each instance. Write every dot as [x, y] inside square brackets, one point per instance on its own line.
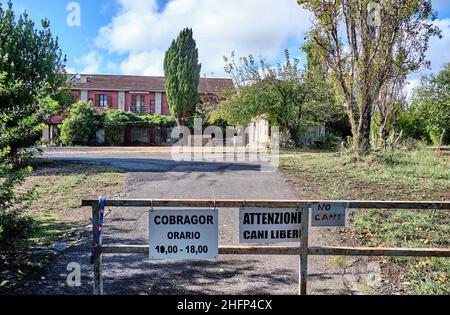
[182, 72]
[32, 74]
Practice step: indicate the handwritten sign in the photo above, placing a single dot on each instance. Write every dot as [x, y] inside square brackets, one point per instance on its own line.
[261, 225]
[184, 235]
[329, 215]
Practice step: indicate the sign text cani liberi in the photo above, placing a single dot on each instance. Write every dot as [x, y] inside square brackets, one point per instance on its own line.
[264, 225]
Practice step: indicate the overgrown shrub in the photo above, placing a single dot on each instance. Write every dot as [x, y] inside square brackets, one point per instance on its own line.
[14, 225]
[150, 121]
[331, 141]
[429, 114]
[114, 124]
[115, 121]
[81, 126]
[32, 78]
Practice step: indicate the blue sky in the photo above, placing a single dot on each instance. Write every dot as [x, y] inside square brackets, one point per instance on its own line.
[130, 36]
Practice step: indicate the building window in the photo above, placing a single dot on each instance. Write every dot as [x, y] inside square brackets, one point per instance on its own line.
[152, 106]
[103, 100]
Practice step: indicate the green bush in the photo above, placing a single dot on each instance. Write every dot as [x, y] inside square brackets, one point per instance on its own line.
[150, 121]
[84, 122]
[14, 228]
[114, 124]
[331, 141]
[429, 113]
[115, 121]
[14, 225]
[81, 126]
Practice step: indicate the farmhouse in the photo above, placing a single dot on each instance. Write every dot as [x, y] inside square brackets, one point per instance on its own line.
[136, 94]
[146, 95]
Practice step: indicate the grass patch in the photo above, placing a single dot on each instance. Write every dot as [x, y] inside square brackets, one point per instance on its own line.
[60, 186]
[397, 175]
[56, 211]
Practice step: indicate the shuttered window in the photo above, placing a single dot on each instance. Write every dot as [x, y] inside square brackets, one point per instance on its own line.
[103, 100]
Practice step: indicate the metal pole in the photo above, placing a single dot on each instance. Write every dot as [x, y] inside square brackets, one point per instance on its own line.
[98, 276]
[303, 272]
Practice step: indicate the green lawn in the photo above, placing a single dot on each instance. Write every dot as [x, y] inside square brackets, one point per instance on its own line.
[416, 175]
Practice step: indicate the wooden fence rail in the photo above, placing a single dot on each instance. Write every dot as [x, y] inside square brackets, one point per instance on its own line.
[303, 251]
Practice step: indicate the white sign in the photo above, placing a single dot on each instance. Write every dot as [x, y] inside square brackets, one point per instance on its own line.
[263, 225]
[184, 235]
[329, 215]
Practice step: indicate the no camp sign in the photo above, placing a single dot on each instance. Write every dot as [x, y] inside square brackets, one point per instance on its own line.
[261, 225]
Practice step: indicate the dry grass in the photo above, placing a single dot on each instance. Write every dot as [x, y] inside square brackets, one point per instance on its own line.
[415, 175]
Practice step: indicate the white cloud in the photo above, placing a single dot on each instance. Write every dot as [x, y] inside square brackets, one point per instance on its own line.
[145, 63]
[142, 34]
[90, 62]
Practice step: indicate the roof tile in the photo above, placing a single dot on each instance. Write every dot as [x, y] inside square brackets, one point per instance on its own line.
[145, 83]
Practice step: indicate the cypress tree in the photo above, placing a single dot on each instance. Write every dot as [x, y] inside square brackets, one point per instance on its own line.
[182, 72]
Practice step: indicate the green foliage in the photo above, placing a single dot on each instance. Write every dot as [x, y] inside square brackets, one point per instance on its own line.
[32, 68]
[411, 229]
[182, 72]
[31, 74]
[364, 57]
[14, 225]
[429, 114]
[331, 141]
[285, 94]
[415, 173]
[150, 121]
[114, 123]
[81, 126]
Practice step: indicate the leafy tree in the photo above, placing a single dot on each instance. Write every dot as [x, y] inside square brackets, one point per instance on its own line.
[428, 117]
[322, 103]
[366, 44]
[31, 74]
[81, 126]
[182, 72]
[275, 92]
[285, 94]
[33, 68]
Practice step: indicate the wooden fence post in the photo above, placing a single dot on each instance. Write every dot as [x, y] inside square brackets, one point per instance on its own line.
[303, 272]
[98, 276]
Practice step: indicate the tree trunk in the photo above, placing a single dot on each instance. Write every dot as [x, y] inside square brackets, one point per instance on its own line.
[362, 136]
[180, 122]
[383, 131]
